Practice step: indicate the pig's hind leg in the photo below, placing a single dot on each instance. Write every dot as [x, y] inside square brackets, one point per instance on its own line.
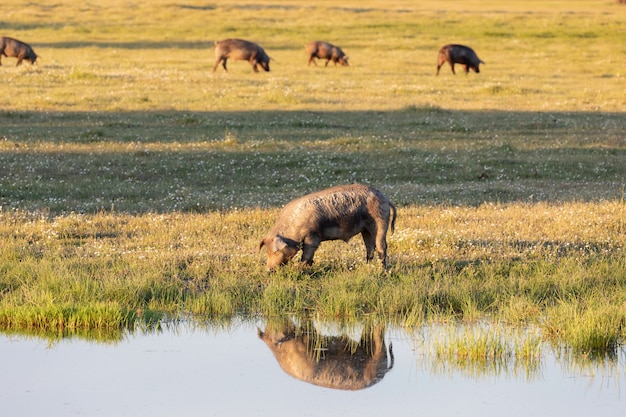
[370, 244]
[217, 63]
[381, 244]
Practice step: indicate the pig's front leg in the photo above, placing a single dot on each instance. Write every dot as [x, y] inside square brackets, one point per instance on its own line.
[309, 246]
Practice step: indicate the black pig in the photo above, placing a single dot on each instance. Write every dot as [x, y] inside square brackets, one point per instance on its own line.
[459, 54]
[325, 50]
[238, 49]
[10, 47]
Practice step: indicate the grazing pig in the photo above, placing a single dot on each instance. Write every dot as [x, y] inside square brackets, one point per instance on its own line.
[10, 47]
[335, 213]
[325, 50]
[459, 54]
[237, 49]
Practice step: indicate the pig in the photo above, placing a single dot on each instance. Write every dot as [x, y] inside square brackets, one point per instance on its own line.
[327, 51]
[339, 212]
[459, 54]
[10, 47]
[238, 49]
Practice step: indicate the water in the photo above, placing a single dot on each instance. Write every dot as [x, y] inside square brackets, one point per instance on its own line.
[184, 370]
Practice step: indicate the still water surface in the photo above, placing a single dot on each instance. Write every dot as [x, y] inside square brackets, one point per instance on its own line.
[183, 370]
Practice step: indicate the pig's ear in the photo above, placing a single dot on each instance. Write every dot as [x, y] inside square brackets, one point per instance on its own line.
[278, 244]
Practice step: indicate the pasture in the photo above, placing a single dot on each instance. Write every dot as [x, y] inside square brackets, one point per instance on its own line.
[136, 183]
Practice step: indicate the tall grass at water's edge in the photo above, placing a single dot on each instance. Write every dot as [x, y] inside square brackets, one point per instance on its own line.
[110, 270]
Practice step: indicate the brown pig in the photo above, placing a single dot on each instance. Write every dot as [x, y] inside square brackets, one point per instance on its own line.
[339, 212]
[240, 50]
[458, 54]
[10, 47]
[325, 50]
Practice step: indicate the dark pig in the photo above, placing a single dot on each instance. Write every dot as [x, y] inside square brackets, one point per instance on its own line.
[336, 213]
[10, 47]
[240, 50]
[459, 54]
[325, 50]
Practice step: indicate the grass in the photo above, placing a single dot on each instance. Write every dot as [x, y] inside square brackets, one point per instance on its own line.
[482, 351]
[136, 183]
[543, 265]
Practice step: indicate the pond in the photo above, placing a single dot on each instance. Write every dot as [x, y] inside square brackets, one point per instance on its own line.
[184, 369]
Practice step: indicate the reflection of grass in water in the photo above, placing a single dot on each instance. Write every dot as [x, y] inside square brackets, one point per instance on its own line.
[593, 363]
[481, 351]
[53, 336]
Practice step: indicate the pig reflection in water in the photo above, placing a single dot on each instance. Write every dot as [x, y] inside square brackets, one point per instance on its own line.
[336, 362]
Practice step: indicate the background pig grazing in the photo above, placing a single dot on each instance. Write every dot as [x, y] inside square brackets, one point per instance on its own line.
[335, 213]
[459, 54]
[325, 50]
[10, 47]
[238, 49]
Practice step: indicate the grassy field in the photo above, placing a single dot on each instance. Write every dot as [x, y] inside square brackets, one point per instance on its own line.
[136, 183]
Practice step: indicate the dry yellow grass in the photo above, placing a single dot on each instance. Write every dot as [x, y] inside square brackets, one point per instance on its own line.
[120, 56]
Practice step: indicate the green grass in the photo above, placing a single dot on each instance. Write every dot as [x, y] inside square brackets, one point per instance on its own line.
[136, 183]
[559, 268]
[140, 162]
[480, 351]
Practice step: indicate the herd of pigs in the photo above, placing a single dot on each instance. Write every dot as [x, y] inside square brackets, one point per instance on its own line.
[337, 213]
[239, 49]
